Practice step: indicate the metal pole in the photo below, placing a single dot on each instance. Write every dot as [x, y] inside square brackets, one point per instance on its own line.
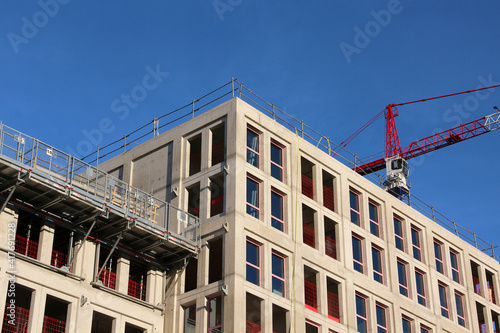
[193, 108]
[97, 158]
[274, 115]
[109, 255]
[232, 86]
[83, 242]
[241, 87]
[125, 143]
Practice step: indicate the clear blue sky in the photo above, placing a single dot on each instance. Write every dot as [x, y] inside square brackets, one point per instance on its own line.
[332, 63]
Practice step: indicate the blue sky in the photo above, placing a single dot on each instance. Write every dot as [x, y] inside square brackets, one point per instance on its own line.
[332, 63]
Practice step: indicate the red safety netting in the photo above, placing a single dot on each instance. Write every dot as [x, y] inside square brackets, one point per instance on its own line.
[108, 278]
[252, 327]
[52, 325]
[308, 235]
[330, 247]
[328, 200]
[27, 247]
[333, 306]
[311, 299]
[307, 186]
[21, 320]
[137, 290]
[58, 259]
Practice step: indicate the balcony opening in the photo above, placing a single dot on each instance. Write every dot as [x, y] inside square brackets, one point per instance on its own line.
[55, 316]
[308, 225]
[21, 308]
[27, 234]
[216, 195]
[475, 277]
[330, 238]
[328, 188]
[102, 323]
[129, 328]
[280, 318]
[194, 155]
[218, 144]
[191, 275]
[215, 264]
[61, 246]
[108, 274]
[306, 168]
[138, 274]
[480, 317]
[194, 200]
[490, 284]
[310, 289]
[253, 315]
[333, 299]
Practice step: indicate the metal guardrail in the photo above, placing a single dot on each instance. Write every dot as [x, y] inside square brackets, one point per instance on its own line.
[63, 171]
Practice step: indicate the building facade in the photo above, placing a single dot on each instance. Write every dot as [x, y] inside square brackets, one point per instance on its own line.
[289, 240]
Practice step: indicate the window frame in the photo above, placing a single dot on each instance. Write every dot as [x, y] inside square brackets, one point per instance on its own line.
[274, 276]
[360, 317]
[355, 261]
[357, 195]
[420, 296]
[416, 247]
[381, 326]
[273, 163]
[248, 204]
[409, 321]
[439, 260]
[373, 223]
[212, 328]
[184, 307]
[445, 308]
[405, 286]
[259, 257]
[397, 236]
[455, 271]
[273, 218]
[256, 152]
[460, 309]
[379, 274]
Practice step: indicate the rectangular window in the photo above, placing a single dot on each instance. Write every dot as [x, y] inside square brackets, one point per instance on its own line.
[399, 234]
[312, 327]
[354, 204]
[308, 229]
[415, 241]
[62, 237]
[459, 302]
[27, 235]
[403, 278]
[310, 289]
[216, 195]
[253, 147]
[481, 317]
[253, 199]
[253, 262]
[475, 277]
[21, 305]
[381, 312]
[194, 200]
[280, 316]
[100, 321]
[454, 266]
[215, 314]
[407, 325]
[361, 314]
[424, 329]
[278, 274]
[218, 144]
[328, 196]
[378, 274]
[194, 155]
[374, 216]
[137, 280]
[357, 253]
[190, 318]
[495, 320]
[420, 286]
[191, 275]
[215, 260]
[330, 238]
[277, 211]
[443, 300]
[277, 161]
[253, 314]
[307, 178]
[490, 284]
[438, 253]
[332, 291]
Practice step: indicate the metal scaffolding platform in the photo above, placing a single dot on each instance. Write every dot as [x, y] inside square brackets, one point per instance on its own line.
[56, 185]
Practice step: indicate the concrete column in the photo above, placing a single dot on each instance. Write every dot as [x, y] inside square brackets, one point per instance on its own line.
[84, 261]
[37, 310]
[122, 274]
[46, 242]
[154, 285]
[8, 223]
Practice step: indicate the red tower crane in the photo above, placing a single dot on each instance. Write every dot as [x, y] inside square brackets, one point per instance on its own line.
[395, 161]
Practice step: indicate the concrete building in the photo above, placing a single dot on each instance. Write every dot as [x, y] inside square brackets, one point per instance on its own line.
[279, 237]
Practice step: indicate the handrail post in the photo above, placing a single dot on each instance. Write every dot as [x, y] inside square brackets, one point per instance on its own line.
[274, 114]
[97, 157]
[241, 87]
[193, 110]
[125, 143]
[232, 86]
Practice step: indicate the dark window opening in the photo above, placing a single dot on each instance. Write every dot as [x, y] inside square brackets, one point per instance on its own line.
[306, 168]
[194, 200]
[480, 317]
[253, 315]
[108, 274]
[215, 263]
[312, 327]
[61, 247]
[54, 319]
[332, 290]
[328, 196]
[490, 284]
[475, 277]
[218, 144]
[216, 195]
[102, 323]
[308, 231]
[279, 319]
[330, 238]
[495, 319]
[310, 289]
[138, 275]
[129, 328]
[18, 300]
[194, 155]
[27, 234]
[191, 276]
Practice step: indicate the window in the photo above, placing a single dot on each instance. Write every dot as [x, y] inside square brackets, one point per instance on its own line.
[102, 322]
[475, 277]
[361, 314]
[381, 312]
[378, 274]
[279, 319]
[310, 289]
[415, 241]
[495, 320]
[312, 327]
[403, 278]
[129, 328]
[253, 199]
[490, 284]
[216, 195]
[399, 234]
[407, 325]
[22, 305]
[355, 212]
[424, 329]
[253, 315]
[328, 196]
[374, 215]
[191, 275]
[194, 200]
[308, 229]
[420, 286]
[330, 238]
[277, 161]
[253, 262]
[218, 144]
[137, 280]
[443, 300]
[27, 234]
[194, 155]
[459, 302]
[277, 211]
[307, 178]
[332, 291]
[481, 317]
[62, 242]
[215, 314]
[190, 318]
[215, 260]
[278, 274]
[438, 253]
[454, 266]
[357, 253]
[253, 147]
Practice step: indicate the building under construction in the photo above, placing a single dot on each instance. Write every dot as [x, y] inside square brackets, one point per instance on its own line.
[232, 221]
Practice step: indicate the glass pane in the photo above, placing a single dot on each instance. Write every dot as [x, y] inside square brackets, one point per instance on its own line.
[355, 217]
[276, 153]
[276, 172]
[353, 197]
[406, 326]
[373, 212]
[278, 287]
[277, 224]
[215, 311]
[360, 306]
[278, 266]
[252, 140]
[356, 249]
[276, 205]
[252, 275]
[190, 319]
[253, 254]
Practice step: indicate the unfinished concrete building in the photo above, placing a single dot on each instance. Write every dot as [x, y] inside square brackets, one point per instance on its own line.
[270, 234]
